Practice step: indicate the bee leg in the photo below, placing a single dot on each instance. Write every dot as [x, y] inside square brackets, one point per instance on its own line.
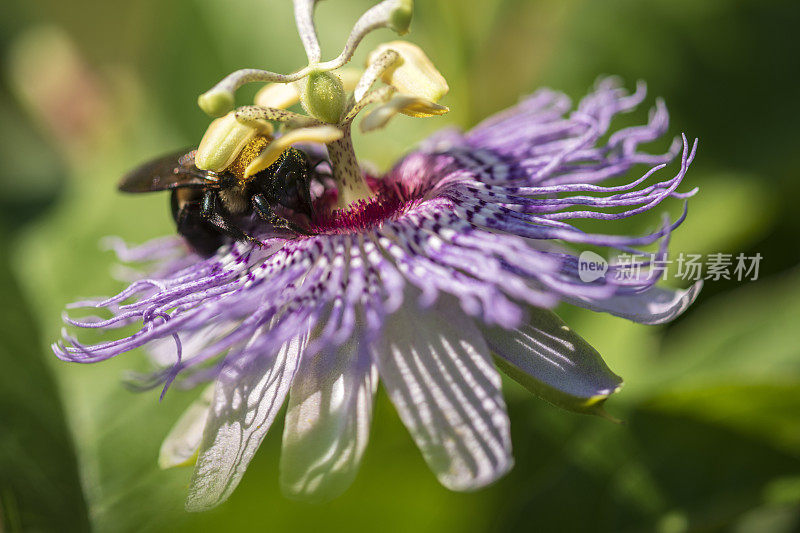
[262, 206]
[213, 211]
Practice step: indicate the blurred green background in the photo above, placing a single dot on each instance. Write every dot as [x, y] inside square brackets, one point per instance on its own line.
[711, 440]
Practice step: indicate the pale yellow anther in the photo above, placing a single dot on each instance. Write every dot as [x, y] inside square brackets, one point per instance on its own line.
[224, 140]
[421, 107]
[413, 74]
[401, 103]
[270, 154]
[278, 95]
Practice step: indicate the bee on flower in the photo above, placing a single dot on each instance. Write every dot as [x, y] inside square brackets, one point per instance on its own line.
[298, 276]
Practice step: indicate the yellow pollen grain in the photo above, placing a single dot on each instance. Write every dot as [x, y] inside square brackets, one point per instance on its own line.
[248, 153]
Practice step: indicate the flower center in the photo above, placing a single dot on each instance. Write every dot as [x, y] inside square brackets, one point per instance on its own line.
[382, 205]
[332, 98]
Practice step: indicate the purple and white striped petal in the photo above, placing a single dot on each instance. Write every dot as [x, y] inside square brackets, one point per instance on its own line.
[438, 373]
[245, 403]
[655, 305]
[327, 422]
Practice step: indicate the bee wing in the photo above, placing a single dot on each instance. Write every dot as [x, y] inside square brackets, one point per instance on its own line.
[171, 171]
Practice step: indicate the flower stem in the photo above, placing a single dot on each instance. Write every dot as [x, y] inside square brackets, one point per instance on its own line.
[346, 172]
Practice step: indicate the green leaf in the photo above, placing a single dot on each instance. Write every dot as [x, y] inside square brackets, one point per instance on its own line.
[766, 411]
[40, 489]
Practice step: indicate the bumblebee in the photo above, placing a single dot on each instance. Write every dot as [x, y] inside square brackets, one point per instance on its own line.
[210, 206]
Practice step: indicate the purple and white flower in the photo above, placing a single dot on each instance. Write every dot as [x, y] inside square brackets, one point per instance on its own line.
[449, 265]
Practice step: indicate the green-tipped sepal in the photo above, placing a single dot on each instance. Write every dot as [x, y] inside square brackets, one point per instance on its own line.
[555, 363]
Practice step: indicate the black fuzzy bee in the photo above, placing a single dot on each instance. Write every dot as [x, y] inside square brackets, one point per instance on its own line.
[208, 206]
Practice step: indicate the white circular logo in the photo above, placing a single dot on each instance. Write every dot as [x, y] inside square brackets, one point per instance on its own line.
[591, 266]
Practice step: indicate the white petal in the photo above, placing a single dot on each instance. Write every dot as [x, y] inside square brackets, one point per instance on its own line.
[183, 441]
[327, 422]
[654, 306]
[241, 413]
[437, 370]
